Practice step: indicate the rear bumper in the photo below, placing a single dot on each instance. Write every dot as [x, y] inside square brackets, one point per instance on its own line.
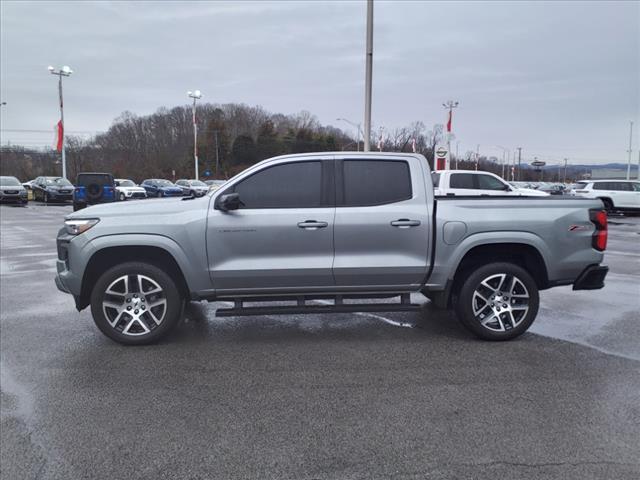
[591, 278]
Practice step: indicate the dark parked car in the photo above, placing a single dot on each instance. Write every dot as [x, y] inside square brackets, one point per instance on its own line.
[157, 187]
[52, 189]
[93, 188]
[11, 190]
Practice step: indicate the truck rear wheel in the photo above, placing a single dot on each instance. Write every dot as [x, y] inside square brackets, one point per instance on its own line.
[498, 301]
[136, 303]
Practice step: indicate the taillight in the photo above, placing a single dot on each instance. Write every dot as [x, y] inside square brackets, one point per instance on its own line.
[599, 237]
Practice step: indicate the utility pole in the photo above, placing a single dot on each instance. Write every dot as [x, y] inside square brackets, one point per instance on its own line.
[450, 105]
[457, 145]
[564, 177]
[630, 140]
[217, 160]
[477, 156]
[368, 77]
[196, 95]
[65, 71]
[519, 161]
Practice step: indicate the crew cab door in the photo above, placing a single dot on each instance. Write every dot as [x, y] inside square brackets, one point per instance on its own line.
[281, 237]
[382, 224]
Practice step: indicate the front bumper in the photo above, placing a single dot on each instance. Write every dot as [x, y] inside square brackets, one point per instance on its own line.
[60, 196]
[591, 278]
[13, 198]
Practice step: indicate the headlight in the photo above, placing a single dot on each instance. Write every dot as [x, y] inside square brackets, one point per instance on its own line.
[76, 227]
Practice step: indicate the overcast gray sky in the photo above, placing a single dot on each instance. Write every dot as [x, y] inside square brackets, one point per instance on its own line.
[560, 79]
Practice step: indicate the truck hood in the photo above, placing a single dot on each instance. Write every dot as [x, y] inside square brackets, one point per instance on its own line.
[161, 206]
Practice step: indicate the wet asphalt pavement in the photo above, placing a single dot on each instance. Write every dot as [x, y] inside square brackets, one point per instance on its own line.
[398, 396]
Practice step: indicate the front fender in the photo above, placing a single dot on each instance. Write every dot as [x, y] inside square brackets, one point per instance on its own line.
[196, 277]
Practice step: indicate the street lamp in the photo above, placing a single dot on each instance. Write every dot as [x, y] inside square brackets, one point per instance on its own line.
[196, 95]
[353, 124]
[505, 151]
[65, 71]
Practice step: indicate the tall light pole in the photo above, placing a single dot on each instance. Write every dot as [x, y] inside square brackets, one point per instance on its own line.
[504, 151]
[65, 71]
[368, 77]
[450, 105]
[629, 151]
[196, 95]
[357, 125]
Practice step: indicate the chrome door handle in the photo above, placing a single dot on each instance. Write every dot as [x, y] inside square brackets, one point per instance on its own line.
[312, 225]
[405, 223]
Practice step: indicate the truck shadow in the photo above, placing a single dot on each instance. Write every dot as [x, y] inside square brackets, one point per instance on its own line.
[201, 325]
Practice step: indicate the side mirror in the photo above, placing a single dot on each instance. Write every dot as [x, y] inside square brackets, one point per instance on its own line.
[229, 201]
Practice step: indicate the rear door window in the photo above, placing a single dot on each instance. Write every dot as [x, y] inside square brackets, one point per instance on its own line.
[462, 180]
[375, 182]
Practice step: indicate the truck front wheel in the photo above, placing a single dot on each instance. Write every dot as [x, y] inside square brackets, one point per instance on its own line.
[136, 303]
[498, 301]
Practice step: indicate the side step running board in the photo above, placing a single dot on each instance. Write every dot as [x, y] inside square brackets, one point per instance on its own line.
[239, 310]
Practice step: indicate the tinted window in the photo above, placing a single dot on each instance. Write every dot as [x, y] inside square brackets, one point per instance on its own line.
[291, 185]
[375, 182]
[635, 187]
[57, 181]
[624, 186]
[487, 182]
[87, 179]
[435, 178]
[461, 180]
[602, 186]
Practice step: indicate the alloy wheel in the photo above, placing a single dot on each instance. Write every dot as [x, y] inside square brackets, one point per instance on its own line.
[500, 302]
[134, 304]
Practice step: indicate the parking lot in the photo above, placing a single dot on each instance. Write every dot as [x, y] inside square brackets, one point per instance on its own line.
[341, 396]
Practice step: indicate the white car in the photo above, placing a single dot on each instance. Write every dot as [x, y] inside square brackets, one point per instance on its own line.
[615, 194]
[127, 189]
[470, 182]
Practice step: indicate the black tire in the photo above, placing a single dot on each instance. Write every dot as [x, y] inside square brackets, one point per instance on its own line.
[159, 194]
[503, 327]
[78, 206]
[170, 292]
[122, 196]
[608, 205]
[45, 197]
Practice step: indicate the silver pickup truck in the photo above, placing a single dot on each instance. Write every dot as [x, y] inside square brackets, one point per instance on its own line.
[299, 230]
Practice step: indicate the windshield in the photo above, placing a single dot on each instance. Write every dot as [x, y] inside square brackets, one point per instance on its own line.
[165, 183]
[198, 183]
[126, 183]
[9, 181]
[59, 182]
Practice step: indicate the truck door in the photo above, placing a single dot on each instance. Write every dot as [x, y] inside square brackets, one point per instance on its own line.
[382, 223]
[282, 235]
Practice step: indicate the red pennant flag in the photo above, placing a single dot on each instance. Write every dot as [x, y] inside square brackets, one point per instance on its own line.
[58, 131]
[449, 122]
